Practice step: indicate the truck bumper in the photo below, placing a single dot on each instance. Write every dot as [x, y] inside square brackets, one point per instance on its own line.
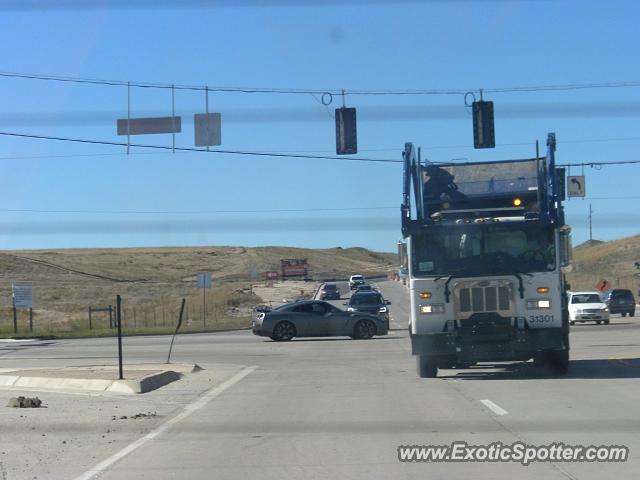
[512, 344]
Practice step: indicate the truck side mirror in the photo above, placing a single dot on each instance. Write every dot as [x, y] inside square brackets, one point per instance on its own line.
[565, 246]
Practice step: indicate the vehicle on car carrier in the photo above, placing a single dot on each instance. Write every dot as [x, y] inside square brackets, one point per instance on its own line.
[488, 249]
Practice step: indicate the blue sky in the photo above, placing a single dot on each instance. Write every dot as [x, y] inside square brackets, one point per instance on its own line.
[388, 45]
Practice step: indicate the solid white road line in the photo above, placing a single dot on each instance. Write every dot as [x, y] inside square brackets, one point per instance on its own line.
[188, 410]
[493, 407]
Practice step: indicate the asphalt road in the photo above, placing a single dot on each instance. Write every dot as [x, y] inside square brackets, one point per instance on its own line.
[323, 408]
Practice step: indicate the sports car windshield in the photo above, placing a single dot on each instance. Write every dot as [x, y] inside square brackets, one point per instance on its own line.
[477, 249]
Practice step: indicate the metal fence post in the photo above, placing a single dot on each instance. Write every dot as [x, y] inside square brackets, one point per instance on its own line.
[90, 318]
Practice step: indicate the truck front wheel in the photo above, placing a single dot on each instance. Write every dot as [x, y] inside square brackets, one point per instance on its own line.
[427, 366]
[559, 361]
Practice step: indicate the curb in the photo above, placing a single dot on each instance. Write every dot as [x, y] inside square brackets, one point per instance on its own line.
[147, 383]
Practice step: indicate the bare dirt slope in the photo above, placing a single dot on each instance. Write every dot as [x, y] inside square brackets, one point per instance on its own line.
[613, 261]
[67, 282]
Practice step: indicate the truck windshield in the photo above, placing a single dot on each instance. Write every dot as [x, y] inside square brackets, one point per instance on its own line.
[486, 248]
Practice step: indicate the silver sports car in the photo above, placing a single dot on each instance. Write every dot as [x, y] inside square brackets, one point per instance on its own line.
[314, 319]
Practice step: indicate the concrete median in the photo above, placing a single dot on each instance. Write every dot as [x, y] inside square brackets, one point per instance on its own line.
[140, 378]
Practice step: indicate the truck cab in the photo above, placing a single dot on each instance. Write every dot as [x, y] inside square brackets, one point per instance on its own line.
[486, 249]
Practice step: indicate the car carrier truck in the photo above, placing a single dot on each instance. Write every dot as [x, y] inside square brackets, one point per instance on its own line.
[487, 248]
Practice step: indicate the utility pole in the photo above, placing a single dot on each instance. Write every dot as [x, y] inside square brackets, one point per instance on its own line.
[590, 223]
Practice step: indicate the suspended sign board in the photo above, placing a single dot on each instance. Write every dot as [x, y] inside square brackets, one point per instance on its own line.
[204, 280]
[149, 125]
[576, 186]
[22, 294]
[208, 129]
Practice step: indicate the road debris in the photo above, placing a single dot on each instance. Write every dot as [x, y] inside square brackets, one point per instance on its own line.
[24, 402]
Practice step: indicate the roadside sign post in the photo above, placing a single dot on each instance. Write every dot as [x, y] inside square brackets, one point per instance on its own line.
[204, 282]
[253, 274]
[22, 297]
[15, 317]
[177, 328]
[119, 320]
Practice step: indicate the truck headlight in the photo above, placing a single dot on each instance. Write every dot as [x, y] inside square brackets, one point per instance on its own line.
[605, 309]
[433, 308]
[535, 304]
[351, 309]
[383, 310]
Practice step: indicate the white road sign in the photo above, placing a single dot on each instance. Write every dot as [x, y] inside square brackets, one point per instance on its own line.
[204, 280]
[22, 294]
[149, 125]
[576, 186]
[208, 129]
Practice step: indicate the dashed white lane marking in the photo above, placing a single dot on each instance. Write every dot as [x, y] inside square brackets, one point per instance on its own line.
[188, 410]
[493, 407]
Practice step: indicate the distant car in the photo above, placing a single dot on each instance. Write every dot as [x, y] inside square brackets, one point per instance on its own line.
[315, 319]
[369, 302]
[364, 288]
[587, 307]
[330, 291]
[620, 300]
[355, 280]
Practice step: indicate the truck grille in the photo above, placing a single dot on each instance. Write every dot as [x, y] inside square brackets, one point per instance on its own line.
[484, 296]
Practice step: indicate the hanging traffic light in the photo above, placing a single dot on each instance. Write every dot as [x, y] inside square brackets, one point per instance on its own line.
[483, 130]
[346, 131]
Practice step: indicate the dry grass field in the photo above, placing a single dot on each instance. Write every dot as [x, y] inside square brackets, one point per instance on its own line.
[613, 261]
[152, 282]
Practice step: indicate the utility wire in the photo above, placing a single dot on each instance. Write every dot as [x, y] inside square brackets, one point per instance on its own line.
[190, 149]
[266, 154]
[332, 92]
[210, 212]
[320, 151]
[195, 212]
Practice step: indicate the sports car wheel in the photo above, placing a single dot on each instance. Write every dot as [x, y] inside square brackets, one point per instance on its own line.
[364, 329]
[283, 332]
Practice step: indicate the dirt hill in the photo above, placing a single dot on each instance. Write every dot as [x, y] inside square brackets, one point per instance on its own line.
[153, 280]
[613, 261]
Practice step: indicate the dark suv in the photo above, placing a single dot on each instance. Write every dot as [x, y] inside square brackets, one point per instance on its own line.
[330, 291]
[369, 302]
[620, 301]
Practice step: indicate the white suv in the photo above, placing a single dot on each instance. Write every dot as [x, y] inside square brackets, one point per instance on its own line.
[587, 307]
[355, 280]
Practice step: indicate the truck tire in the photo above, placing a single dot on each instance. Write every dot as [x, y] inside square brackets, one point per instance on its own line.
[558, 361]
[427, 366]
